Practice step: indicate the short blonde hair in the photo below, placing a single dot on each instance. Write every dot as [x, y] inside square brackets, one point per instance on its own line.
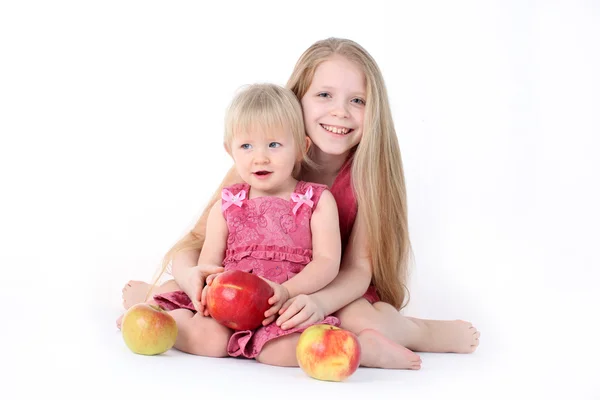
[264, 107]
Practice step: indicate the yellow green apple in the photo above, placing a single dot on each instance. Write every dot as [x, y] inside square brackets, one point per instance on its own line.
[147, 329]
[328, 353]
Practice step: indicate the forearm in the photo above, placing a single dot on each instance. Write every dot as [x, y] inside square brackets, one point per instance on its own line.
[182, 262]
[316, 275]
[348, 285]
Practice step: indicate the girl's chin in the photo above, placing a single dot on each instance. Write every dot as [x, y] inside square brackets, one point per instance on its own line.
[333, 150]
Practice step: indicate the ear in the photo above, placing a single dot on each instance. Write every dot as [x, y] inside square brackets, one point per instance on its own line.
[308, 143]
[227, 149]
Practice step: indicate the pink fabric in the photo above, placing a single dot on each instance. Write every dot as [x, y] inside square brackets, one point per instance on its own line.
[343, 193]
[267, 238]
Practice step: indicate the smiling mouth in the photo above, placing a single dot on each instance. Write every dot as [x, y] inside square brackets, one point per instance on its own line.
[338, 130]
[262, 173]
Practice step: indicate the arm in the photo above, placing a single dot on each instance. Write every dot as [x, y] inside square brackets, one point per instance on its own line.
[326, 242]
[213, 251]
[350, 284]
[355, 273]
[182, 263]
[185, 260]
[211, 257]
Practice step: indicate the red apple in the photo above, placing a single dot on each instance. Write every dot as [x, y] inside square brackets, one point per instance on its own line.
[238, 299]
[148, 329]
[328, 353]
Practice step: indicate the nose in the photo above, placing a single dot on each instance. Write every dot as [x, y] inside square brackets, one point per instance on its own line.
[339, 109]
[261, 157]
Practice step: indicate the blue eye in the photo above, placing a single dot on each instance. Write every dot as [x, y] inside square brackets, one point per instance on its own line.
[358, 101]
[274, 144]
[323, 94]
[246, 146]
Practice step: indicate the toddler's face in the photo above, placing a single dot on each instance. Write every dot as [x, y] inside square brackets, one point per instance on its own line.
[265, 160]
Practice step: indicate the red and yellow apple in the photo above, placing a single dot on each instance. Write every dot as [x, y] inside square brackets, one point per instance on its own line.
[148, 329]
[238, 299]
[328, 353]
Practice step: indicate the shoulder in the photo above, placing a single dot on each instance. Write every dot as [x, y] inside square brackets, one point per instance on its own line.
[321, 196]
[313, 190]
[326, 202]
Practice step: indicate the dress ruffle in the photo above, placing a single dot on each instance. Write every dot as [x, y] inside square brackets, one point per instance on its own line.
[269, 253]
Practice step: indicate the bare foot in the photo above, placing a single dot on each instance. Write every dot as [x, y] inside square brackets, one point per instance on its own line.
[134, 292]
[446, 336]
[119, 320]
[380, 352]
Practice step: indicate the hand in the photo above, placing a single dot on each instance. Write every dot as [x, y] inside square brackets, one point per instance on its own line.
[194, 282]
[280, 296]
[209, 280]
[300, 311]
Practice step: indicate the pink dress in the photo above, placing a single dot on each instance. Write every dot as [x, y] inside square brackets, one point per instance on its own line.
[347, 209]
[269, 237]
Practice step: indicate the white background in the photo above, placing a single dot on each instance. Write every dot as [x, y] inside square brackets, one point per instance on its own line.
[111, 121]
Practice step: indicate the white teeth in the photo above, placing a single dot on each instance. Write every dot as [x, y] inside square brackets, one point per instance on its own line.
[339, 131]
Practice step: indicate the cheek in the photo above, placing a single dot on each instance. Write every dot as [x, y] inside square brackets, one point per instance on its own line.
[360, 118]
[309, 110]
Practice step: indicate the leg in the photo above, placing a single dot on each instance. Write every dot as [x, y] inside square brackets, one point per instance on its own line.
[377, 352]
[200, 335]
[416, 334]
[280, 352]
[135, 292]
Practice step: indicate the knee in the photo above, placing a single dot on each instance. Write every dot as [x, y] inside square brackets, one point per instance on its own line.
[356, 312]
[361, 315]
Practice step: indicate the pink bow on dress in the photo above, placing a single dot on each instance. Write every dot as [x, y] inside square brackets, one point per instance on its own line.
[303, 199]
[230, 199]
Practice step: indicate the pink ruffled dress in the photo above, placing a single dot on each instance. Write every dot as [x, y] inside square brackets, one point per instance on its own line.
[269, 237]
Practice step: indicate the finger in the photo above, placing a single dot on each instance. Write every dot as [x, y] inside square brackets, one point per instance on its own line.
[292, 310]
[297, 320]
[269, 313]
[267, 321]
[286, 305]
[210, 278]
[274, 299]
[197, 306]
[203, 295]
[273, 310]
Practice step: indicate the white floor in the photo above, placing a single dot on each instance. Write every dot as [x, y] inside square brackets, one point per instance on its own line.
[51, 347]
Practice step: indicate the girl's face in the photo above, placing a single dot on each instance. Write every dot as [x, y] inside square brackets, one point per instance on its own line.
[265, 160]
[334, 106]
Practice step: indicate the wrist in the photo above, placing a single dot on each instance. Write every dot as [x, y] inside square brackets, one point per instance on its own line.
[183, 277]
[316, 299]
[289, 289]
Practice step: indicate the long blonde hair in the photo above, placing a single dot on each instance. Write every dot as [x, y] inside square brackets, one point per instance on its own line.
[259, 107]
[377, 172]
[377, 175]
